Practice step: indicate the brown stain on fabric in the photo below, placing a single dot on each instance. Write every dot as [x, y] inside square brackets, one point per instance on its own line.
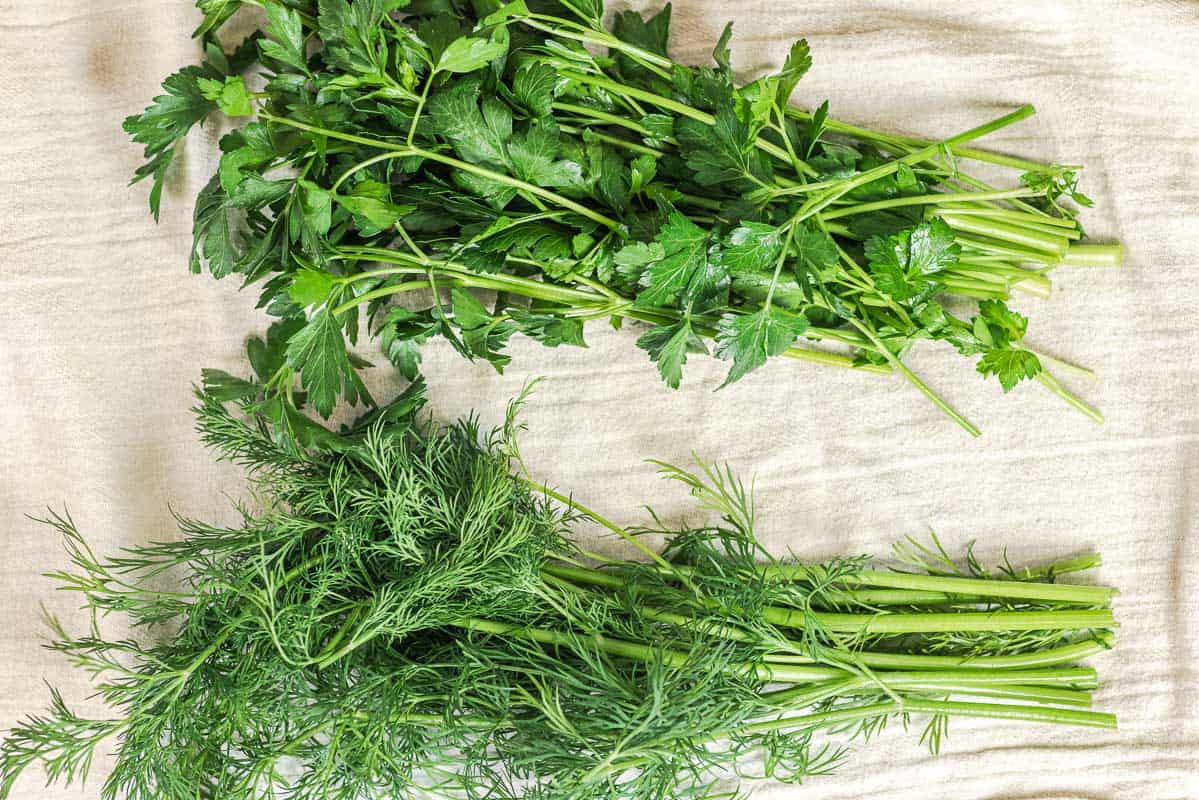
[109, 64]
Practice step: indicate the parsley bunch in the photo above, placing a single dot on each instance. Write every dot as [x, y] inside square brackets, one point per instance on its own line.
[407, 618]
[447, 153]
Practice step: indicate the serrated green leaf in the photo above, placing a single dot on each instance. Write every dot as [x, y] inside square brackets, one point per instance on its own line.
[255, 191]
[266, 357]
[1004, 325]
[749, 339]
[225, 387]
[799, 61]
[721, 53]
[311, 287]
[516, 8]
[318, 353]
[469, 313]
[652, 35]
[371, 201]
[932, 247]
[815, 128]
[533, 87]
[231, 96]
[285, 37]
[685, 248]
[402, 333]
[642, 170]
[166, 120]
[216, 13]
[213, 233]
[317, 204]
[533, 158]
[549, 329]
[720, 152]
[351, 35]
[469, 54]
[478, 134]
[753, 247]
[1010, 365]
[668, 347]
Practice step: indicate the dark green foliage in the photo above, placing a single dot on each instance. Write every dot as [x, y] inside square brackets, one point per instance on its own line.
[436, 146]
[405, 618]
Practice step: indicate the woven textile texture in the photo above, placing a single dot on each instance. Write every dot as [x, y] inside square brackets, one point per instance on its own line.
[102, 333]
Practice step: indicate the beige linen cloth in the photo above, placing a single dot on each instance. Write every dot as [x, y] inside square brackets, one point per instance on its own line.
[102, 333]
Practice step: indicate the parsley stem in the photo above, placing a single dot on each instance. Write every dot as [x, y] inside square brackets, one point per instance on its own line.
[905, 142]
[1046, 379]
[1094, 255]
[818, 204]
[681, 109]
[924, 388]
[1051, 243]
[656, 64]
[558, 294]
[406, 151]
[927, 199]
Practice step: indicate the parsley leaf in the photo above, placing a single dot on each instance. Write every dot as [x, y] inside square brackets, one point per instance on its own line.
[318, 352]
[1010, 365]
[720, 152]
[213, 232]
[469, 54]
[753, 247]
[549, 329]
[231, 95]
[533, 87]
[903, 265]
[749, 339]
[165, 122]
[532, 157]
[668, 347]
[799, 61]
[683, 266]
[401, 335]
[478, 134]
[284, 40]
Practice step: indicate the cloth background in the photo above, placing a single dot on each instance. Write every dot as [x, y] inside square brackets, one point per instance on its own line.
[102, 333]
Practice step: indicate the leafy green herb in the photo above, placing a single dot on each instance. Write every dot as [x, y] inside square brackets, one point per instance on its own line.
[406, 617]
[404, 147]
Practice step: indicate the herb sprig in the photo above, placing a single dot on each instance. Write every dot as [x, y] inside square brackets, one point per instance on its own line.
[430, 151]
[405, 617]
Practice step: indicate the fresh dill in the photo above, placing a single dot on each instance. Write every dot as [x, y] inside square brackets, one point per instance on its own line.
[406, 617]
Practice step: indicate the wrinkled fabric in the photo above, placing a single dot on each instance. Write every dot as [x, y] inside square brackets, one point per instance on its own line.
[102, 333]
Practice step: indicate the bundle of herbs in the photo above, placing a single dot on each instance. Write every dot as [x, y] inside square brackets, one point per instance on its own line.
[406, 616]
[420, 150]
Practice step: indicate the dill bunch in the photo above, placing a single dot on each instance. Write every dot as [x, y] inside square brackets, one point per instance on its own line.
[402, 615]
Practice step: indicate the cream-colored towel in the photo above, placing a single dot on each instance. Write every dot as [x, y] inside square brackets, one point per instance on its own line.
[102, 332]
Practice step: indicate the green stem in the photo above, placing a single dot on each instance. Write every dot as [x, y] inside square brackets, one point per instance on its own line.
[1094, 255]
[972, 153]
[407, 151]
[818, 204]
[885, 624]
[1051, 383]
[927, 199]
[924, 388]
[1052, 243]
[975, 587]
[682, 110]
